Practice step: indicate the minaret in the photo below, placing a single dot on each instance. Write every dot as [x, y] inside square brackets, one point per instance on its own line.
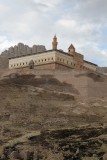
[54, 43]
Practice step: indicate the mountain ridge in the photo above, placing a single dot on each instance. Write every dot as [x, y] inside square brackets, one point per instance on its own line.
[17, 51]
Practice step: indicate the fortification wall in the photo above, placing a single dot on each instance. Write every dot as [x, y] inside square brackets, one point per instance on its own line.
[88, 84]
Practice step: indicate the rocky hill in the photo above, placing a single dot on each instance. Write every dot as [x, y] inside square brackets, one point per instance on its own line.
[17, 51]
[52, 115]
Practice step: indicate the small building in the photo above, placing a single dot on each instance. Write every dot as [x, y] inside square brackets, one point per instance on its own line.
[53, 59]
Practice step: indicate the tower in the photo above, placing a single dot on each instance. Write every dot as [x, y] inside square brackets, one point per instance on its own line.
[71, 49]
[54, 43]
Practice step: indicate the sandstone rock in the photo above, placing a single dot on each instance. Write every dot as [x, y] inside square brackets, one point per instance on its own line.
[34, 49]
[4, 62]
[35, 155]
[14, 155]
[105, 156]
[26, 155]
[3, 157]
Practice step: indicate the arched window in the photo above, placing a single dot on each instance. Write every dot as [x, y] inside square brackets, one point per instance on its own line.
[31, 64]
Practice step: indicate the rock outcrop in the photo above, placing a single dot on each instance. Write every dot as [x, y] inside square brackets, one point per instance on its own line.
[18, 51]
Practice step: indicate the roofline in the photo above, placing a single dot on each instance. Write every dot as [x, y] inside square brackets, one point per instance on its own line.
[64, 53]
[90, 63]
[30, 54]
[41, 53]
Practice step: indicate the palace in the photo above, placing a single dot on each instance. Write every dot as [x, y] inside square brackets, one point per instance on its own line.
[53, 59]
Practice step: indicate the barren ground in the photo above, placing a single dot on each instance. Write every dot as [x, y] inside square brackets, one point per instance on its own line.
[42, 117]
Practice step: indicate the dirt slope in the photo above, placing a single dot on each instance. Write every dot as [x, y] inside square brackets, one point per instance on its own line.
[31, 101]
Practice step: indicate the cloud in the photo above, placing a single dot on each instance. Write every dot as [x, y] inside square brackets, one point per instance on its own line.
[83, 23]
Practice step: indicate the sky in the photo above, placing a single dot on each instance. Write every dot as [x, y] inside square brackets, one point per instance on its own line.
[80, 22]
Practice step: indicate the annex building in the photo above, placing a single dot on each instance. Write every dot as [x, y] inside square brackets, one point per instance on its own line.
[53, 59]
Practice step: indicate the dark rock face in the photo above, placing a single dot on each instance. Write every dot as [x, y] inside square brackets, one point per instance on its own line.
[18, 51]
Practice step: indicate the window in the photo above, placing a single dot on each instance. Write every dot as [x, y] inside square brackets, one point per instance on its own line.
[42, 60]
[11, 65]
[17, 64]
[52, 58]
[38, 60]
[20, 64]
[23, 63]
[26, 62]
[45, 59]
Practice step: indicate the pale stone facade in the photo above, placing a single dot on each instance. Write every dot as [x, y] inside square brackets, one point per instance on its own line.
[39, 59]
[52, 59]
[46, 60]
[90, 66]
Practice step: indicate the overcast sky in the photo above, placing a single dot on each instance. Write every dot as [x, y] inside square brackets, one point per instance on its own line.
[80, 22]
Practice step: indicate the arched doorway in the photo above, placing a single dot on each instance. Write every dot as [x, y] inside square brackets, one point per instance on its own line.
[31, 64]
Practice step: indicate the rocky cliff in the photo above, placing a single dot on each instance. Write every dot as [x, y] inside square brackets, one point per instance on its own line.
[18, 51]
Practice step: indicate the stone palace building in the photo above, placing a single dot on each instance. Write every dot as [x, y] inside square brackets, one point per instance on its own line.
[52, 59]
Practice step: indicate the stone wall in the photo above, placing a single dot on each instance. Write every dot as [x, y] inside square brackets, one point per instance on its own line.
[39, 59]
[87, 83]
[50, 66]
[90, 66]
[78, 57]
[63, 59]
